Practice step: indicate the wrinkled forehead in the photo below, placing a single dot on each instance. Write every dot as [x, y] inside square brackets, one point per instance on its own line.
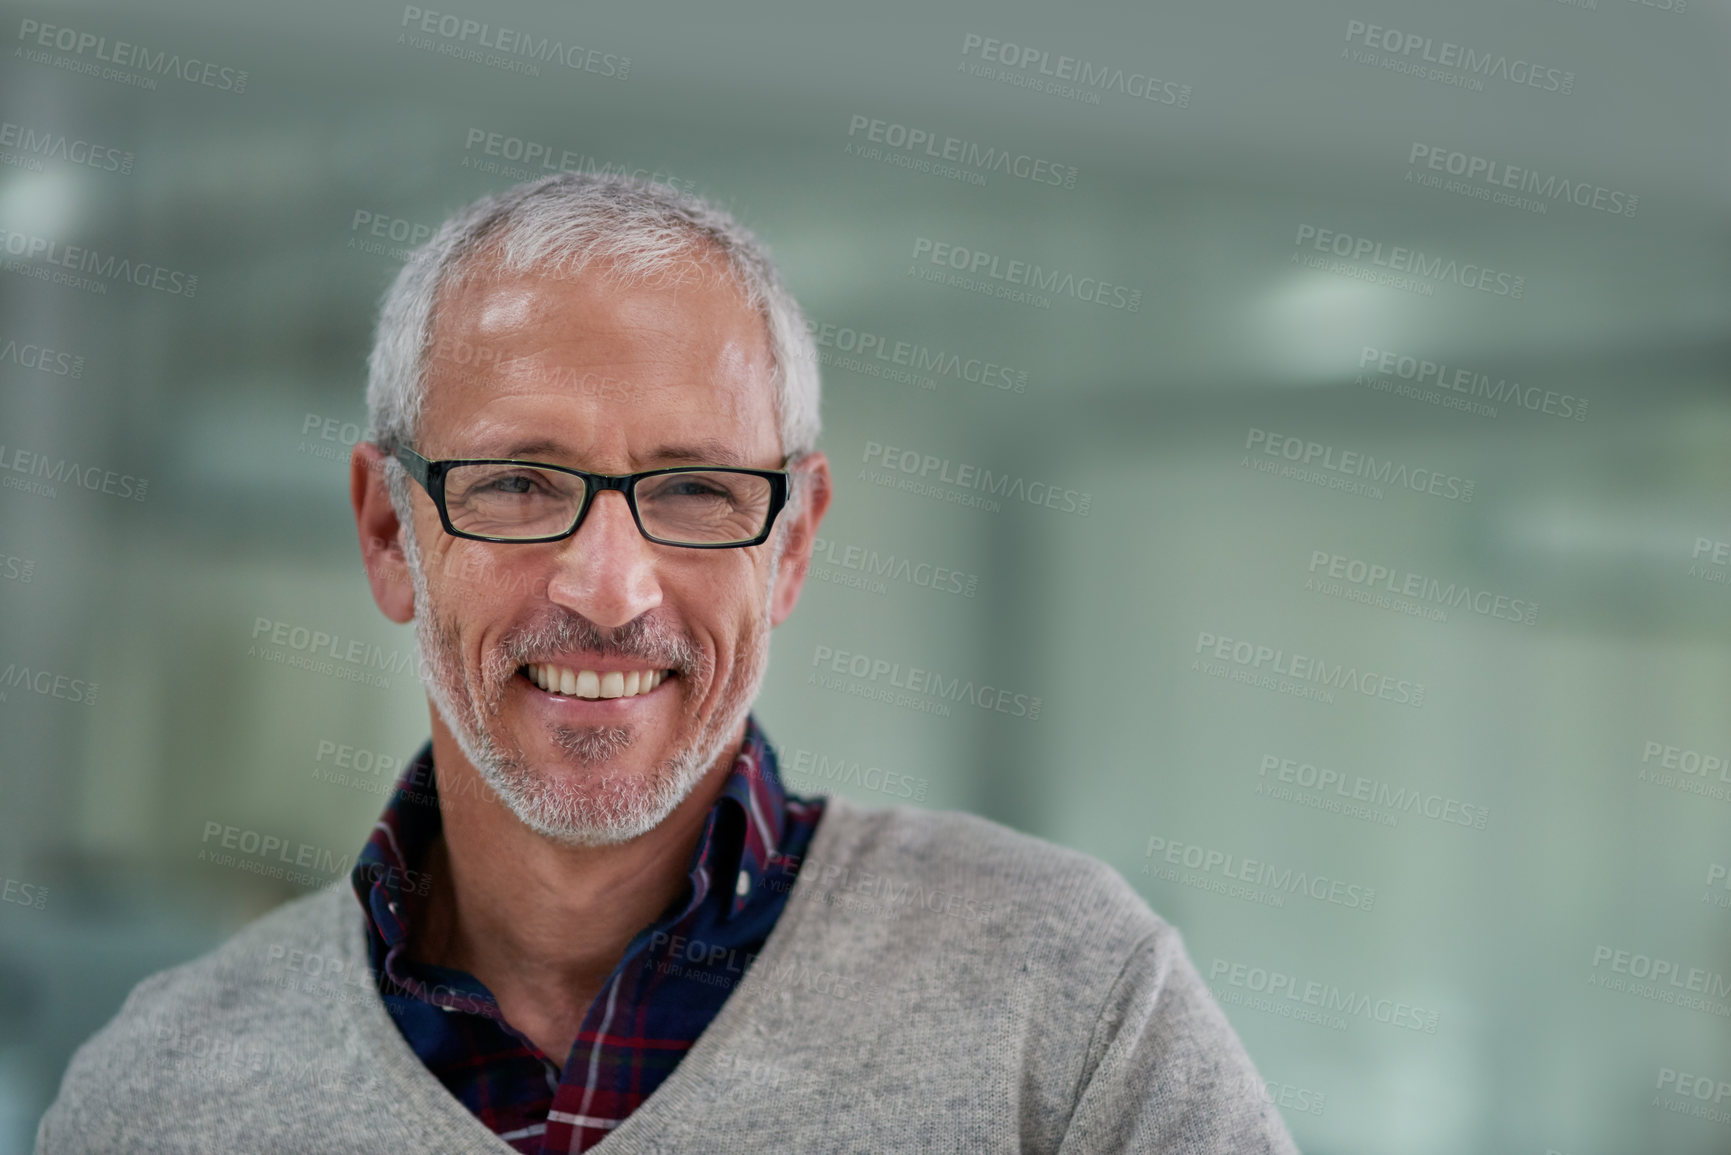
[675, 345]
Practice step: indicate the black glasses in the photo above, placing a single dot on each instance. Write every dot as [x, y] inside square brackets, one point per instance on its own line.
[527, 501]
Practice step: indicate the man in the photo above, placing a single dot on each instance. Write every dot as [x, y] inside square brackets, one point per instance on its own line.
[591, 918]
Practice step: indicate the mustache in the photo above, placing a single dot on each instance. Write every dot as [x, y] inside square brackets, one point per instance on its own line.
[646, 638]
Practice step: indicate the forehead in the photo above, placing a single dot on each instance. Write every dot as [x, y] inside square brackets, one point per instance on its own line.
[599, 361]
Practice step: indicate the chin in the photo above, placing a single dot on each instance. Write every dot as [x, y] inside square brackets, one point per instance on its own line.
[592, 747]
[585, 793]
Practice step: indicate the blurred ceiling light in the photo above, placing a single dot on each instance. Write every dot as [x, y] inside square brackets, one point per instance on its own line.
[1312, 325]
[44, 203]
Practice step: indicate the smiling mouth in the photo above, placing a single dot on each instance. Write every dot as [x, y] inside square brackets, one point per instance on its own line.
[572, 683]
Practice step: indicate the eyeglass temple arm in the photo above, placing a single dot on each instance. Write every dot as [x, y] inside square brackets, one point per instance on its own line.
[416, 465]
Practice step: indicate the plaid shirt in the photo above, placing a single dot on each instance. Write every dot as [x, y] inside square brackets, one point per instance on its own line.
[672, 981]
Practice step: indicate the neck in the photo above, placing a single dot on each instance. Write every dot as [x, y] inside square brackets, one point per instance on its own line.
[543, 924]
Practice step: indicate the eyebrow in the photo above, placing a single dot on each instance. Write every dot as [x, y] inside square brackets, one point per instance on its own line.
[709, 451]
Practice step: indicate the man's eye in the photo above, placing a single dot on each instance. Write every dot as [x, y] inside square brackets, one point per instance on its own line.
[693, 492]
[692, 488]
[529, 484]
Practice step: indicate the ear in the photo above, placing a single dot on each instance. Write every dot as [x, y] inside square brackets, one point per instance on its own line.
[380, 533]
[801, 531]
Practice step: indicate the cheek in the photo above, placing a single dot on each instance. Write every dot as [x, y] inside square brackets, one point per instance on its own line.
[745, 590]
[481, 578]
[720, 609]
[475, 599]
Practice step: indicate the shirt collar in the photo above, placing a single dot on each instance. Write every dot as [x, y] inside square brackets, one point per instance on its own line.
[741, 837]
[755, 788]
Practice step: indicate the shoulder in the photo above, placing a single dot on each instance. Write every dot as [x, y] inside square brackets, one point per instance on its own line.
[1020, 875]
[956, 885]
[996, 946]
[195, 1038]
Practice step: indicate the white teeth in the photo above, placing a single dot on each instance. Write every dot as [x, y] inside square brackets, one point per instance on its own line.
[590, 684]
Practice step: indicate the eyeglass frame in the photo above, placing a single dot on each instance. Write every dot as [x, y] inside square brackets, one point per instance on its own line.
[431, 476]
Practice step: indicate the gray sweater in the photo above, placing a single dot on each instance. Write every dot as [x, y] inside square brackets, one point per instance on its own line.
[937, 982]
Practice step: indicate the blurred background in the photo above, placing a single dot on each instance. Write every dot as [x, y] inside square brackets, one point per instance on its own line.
[1365, 540]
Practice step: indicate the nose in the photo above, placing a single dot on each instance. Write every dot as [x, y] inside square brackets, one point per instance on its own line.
[606, 570]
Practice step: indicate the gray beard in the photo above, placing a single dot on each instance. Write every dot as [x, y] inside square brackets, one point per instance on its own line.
[601, 808]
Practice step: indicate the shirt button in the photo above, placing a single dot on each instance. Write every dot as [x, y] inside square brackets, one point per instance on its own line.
[743, 886]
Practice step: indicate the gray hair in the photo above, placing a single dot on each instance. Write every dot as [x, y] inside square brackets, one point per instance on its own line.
[564, 223]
